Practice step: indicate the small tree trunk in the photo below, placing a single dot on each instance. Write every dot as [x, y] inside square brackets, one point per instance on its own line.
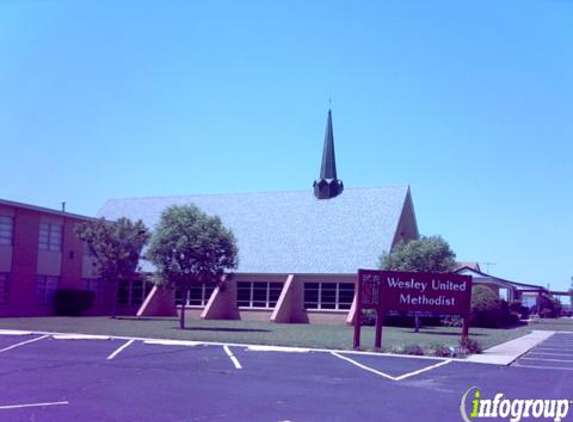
[185, 286]
[114, 297]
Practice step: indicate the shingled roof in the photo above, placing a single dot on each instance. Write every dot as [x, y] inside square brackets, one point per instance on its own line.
[293, 232]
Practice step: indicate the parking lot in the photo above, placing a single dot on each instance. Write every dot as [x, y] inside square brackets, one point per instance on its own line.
[48, 377]
[554, 353]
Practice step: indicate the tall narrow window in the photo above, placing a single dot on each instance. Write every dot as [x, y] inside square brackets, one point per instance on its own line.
[123, 292]
[46, 288]
[6, 229]
[97, 286]
[50, 237]
[4, 288]
[87, 251]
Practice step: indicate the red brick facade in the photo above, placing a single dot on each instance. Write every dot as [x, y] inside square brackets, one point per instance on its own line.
[22, 261]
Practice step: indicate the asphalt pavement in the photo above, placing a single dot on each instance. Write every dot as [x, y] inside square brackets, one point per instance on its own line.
[47, 378]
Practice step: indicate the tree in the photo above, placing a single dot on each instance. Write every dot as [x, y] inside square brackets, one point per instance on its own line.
[427, 254]
[486, 308]
[189, 246]
[548, 306]
[116, 247]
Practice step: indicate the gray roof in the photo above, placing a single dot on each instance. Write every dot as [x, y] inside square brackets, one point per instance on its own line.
[291, 232]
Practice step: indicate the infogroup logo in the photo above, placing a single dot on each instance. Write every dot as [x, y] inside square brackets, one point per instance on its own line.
[512, 409]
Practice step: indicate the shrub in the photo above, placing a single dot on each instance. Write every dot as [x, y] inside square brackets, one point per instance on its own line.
[441, 351]
[509, 318]
[486, 308]
[547, 313]
[452, 321]
[512, 319]
[413, 349]
[517, 307]
[548, 306]
[73, 302]
[470, 346]
[368, 317]
[399, 321]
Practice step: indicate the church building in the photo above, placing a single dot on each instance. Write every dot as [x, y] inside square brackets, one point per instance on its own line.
[299, 251]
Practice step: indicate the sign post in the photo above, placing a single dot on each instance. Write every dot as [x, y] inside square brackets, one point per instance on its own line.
[379, 322]
[368, 298]
[409, 293]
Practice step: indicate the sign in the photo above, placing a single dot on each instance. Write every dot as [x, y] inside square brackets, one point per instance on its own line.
[369, 293]
[414, 294]
[425, 294]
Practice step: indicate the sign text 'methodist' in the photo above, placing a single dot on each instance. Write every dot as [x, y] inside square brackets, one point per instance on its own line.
[432, 293]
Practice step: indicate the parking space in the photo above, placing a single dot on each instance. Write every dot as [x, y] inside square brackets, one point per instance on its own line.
[554, 353]
[118, 379]
[8, 341]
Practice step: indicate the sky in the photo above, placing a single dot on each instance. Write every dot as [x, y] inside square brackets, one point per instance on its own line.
[467, 102]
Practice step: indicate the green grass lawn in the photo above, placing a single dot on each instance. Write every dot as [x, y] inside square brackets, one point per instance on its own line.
[248, 332]
[561, 324]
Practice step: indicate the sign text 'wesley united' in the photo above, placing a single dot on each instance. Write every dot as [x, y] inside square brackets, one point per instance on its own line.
[429, 293]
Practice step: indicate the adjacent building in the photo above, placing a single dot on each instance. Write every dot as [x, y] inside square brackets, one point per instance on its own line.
[39, 253]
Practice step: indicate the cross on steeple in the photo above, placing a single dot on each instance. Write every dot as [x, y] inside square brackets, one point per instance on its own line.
[328, 186]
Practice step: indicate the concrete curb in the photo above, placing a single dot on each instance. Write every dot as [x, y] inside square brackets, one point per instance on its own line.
[246, 346]
[502, 354]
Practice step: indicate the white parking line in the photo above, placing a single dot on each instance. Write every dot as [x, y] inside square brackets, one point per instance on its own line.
[556, 344]
[277, 349]
[120, 349]
[80, 337]
[20, 406]
[419, 371]
[559, 344]
[382, 374]
[172, 342]
[366, 368]
[232, 357]
[14, 333]
[550, 354]
[553, 349]
[23, 343]
[549, 360]
[561, 368]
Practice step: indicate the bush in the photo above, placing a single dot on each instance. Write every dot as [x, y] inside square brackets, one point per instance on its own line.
[399, 321]
[509, 318]
[517, 307]
[486, 308]
[413, 349]
[73, 302]
[547, 313]
[452, 321]
[470, 346]
[548, 306]
[441, 351]
[368, 317]
[512, 319]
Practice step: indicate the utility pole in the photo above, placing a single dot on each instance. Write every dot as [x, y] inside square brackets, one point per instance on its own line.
[487, 265]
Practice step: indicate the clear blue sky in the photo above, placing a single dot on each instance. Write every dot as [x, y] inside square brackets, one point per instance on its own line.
[468, 102]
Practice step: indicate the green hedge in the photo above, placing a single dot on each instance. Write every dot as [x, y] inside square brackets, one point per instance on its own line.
[73, 302]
